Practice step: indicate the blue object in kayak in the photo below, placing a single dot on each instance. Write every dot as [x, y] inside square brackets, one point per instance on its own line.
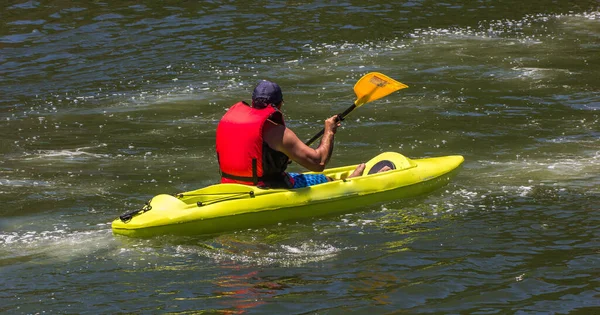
[305, 180]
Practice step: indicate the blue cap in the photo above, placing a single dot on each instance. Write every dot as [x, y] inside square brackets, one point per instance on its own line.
[266, 93]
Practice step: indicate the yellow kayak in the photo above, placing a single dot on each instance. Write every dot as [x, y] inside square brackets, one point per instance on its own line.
[226, 207]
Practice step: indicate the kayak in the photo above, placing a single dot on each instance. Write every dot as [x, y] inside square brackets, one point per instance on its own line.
[227, 207]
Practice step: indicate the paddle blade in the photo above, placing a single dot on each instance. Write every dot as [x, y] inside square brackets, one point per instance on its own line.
[374, 86]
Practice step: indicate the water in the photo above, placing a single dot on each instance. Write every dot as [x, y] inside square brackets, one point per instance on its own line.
[105, 105]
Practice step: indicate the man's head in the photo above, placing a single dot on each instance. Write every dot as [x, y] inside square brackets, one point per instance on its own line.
[266, 93]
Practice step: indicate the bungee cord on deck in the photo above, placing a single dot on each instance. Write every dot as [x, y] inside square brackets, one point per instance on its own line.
[230, 196]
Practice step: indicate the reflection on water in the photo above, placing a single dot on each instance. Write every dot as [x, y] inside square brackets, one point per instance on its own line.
[238, 293]
[375, 285]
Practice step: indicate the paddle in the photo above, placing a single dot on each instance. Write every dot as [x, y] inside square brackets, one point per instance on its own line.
[370, 87]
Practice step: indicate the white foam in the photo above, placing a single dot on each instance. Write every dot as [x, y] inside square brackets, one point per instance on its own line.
[24, 183]
[59, 244]
[283, 254]
[67, 153]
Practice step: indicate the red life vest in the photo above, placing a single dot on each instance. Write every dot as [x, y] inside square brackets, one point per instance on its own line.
[243, 155]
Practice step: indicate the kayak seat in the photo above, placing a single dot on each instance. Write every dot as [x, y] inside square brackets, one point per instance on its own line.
[393, 160]
[381, 164]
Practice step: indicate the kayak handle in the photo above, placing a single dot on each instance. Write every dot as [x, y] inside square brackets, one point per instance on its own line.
[129, 215]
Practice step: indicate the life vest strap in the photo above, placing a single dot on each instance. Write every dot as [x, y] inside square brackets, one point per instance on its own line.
[254, 179]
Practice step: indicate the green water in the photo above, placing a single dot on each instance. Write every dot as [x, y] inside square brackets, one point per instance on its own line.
[104, 105]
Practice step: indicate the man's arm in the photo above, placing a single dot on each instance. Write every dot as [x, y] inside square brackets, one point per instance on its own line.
[282, 139]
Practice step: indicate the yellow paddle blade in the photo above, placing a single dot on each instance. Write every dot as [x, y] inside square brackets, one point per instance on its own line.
[374, 86]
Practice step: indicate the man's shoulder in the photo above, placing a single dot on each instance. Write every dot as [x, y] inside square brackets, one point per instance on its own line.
[272, 127]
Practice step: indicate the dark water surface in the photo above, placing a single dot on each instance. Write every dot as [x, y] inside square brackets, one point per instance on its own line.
[106, 104]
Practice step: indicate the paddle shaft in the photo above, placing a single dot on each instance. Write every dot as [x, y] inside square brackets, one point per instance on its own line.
[340, 117]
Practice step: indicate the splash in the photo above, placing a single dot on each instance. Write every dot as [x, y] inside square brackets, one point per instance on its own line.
[75, 154]
[57, 245]
[257, 253]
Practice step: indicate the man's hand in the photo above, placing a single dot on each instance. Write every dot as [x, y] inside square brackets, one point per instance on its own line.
[332, 123]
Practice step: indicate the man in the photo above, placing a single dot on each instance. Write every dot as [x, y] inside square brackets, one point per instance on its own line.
[254, 146]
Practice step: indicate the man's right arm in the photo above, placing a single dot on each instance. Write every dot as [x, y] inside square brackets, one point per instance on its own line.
[282, 139]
